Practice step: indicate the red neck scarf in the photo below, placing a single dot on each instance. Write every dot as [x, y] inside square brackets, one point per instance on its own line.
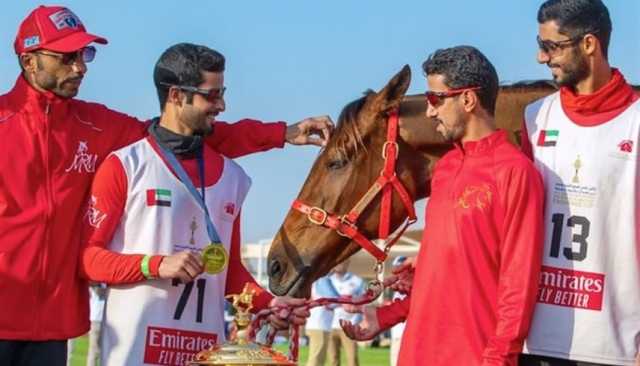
[602, 106]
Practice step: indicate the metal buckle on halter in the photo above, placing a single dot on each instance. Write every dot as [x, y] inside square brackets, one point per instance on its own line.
[345, 221]
[377, 285]
[375, 288]
[386, 145]
[317, 216]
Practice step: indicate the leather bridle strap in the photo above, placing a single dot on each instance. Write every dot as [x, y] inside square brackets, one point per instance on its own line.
[320, 217]
[386, 183]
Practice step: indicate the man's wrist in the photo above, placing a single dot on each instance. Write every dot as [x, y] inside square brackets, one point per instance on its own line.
[150, 266]
[290, 133]
[144, 267]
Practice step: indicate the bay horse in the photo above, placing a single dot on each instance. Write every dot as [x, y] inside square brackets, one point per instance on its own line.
[304, 248]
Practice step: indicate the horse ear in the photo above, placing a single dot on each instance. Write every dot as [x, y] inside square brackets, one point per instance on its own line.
[391, 95]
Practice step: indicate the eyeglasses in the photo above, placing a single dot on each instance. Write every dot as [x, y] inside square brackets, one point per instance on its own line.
[553, 47]
[212, 94]
[435, 98]
[69, 58]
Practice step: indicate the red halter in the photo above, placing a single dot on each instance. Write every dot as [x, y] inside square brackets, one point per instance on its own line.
[345, 225]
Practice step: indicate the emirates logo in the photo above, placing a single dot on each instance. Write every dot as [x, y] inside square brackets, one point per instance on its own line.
[626, 146]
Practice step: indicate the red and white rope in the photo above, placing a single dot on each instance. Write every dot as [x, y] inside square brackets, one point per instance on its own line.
[260, 320]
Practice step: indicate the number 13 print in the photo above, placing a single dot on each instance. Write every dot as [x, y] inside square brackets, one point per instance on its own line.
[580, 238]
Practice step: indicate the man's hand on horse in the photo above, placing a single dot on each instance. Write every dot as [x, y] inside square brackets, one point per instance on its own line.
[310, 131]
[367, 329]
[293, 312]
[402, 278]
[184, 266]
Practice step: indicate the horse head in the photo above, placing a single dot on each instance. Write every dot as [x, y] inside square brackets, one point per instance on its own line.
[340, 180]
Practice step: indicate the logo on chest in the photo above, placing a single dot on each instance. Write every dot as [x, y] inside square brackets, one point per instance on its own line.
[626, 146]
[475, 197]
[159, 197]
[624, 151]
[229, 208]
[83, 162]
[548, 138]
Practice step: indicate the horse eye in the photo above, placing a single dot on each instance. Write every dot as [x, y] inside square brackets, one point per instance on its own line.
[337, 164]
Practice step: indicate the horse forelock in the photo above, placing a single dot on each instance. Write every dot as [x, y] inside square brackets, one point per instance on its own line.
[347, 137]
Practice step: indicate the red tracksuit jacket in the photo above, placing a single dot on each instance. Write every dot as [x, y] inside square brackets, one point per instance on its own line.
[50, 148]
[477, 270]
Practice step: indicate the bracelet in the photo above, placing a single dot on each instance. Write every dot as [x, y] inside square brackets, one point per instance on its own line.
[144, 267]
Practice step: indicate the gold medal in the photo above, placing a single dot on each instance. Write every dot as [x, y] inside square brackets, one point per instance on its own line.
[215, 258]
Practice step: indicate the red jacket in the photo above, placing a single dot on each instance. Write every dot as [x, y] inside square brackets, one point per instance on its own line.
[477, 270]
[50, 148]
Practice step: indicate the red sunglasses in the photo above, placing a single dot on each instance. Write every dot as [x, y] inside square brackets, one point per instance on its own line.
[435, 98]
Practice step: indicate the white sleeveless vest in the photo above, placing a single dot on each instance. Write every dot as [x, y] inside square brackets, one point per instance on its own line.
[588, 305]
[159, 322]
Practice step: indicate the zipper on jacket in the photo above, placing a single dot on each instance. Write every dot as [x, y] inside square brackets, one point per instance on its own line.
[48, 213]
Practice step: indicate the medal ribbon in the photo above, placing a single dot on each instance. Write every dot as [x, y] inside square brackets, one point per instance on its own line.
[170, 157]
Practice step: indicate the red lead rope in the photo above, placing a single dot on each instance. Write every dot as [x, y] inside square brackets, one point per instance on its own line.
[260, 320]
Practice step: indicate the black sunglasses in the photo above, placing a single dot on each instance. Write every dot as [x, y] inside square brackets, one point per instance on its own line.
[553, 47]
[212, 94]
[87, 54]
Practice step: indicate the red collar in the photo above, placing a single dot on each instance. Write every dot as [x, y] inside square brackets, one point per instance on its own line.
[602, 106]
[23, 95]
[484, 144]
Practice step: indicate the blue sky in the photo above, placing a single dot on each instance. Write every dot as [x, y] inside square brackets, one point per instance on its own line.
[290, 59]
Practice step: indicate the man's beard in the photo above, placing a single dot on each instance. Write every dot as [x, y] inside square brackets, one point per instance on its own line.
[453, 134]
[49, 82]
[197, 121]
[573, 72]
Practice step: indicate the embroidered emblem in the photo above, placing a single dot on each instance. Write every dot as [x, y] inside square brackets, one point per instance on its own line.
[159, 197]
[548, 137]
[626, 146]
[229, 208]
[94, 216]
[31, 41]
[65, 19]
[475, 197]
[83, 160]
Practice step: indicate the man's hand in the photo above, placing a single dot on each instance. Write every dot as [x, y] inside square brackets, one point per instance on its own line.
[402, 278]
[296, 314]
[367, 329]
[184, 266]
[310, 131]
[354, 309]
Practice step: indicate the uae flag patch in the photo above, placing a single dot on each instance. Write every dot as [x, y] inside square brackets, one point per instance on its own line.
[159, 197]
[548, 137]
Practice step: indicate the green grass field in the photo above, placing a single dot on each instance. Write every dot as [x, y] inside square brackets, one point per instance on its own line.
[368, 356]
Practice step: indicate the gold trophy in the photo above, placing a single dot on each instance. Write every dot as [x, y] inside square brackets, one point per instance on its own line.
[240, 350]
